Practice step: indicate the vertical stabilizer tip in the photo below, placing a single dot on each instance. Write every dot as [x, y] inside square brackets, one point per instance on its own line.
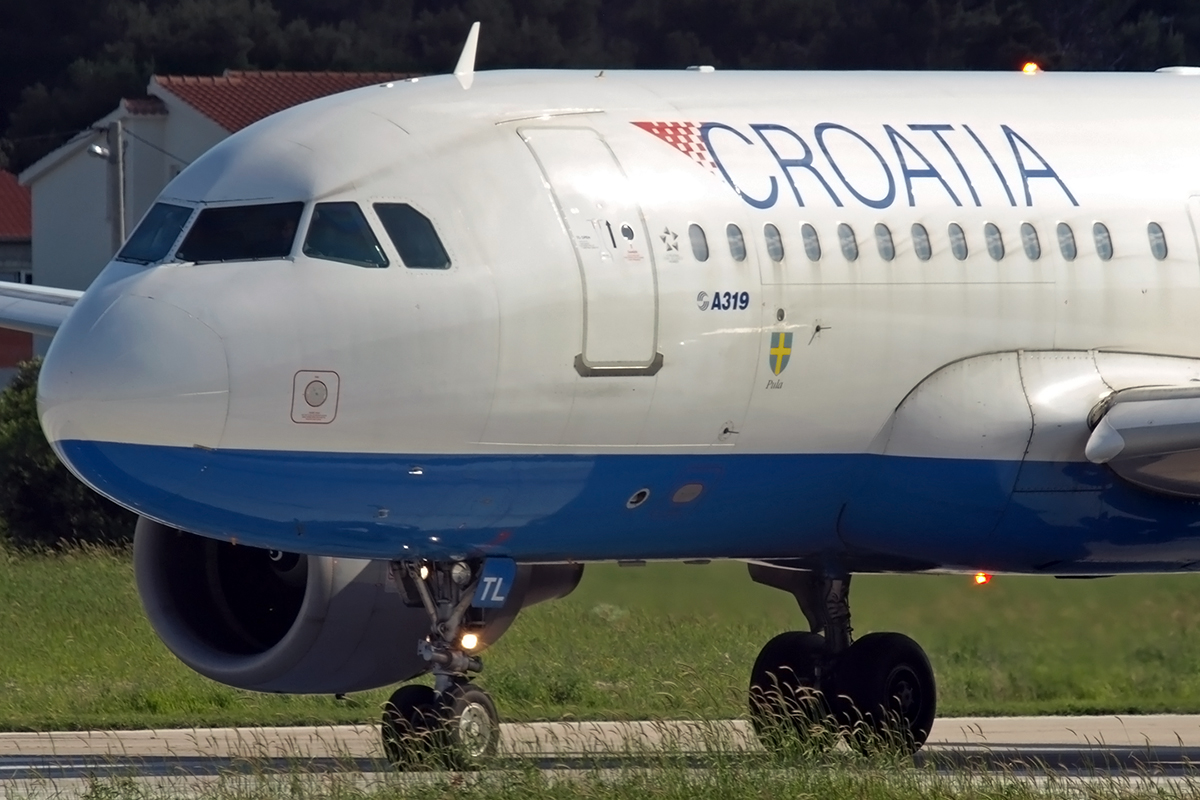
[465, 70]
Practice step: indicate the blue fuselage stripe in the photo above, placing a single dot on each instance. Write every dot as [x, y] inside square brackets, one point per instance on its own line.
[859, 511]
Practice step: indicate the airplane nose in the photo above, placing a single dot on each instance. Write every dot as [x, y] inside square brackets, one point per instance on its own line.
[144, 372]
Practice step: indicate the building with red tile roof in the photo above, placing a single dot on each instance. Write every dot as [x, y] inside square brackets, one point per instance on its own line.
[238, 99]
[16, 263]
[16, 215]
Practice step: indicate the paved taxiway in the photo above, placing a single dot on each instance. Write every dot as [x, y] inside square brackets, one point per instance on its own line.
[60, 764]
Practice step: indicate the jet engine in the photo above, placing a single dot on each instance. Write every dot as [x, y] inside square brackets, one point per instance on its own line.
[281, 622]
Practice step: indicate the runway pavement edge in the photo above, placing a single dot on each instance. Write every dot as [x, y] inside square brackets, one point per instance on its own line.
[569, 738]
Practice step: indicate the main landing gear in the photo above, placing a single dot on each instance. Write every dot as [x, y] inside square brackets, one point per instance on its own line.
[809, 686]
[453, 724]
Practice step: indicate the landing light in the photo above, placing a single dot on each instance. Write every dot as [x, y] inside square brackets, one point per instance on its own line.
[424, 572]
[982, 578]
[470, 641]
[1031, 68]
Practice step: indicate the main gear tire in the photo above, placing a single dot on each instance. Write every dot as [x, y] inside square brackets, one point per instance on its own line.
[885, 695]
[787, 701]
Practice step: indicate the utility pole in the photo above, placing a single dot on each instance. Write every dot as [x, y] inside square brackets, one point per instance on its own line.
[116, 181]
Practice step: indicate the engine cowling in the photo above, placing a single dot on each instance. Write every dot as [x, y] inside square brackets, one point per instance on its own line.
[282, 622]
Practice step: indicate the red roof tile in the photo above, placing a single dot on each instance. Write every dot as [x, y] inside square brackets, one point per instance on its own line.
[237, 99]
[16, 211]
[144, 106]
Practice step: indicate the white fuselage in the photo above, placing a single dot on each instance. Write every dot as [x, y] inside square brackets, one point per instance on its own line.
[576, 323]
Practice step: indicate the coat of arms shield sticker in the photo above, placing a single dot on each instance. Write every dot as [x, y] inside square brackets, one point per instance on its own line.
[781, 351]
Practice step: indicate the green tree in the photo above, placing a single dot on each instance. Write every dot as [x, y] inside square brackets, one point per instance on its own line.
[66, 63]
[41, 503]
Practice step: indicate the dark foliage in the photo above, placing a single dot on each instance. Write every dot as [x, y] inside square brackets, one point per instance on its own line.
[41, 503]
[65, 63]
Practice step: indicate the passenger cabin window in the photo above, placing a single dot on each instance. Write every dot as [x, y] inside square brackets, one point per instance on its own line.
[994, 241]
[413, 235]
[339, 232]
[848, 242]
[155, 237]
[1066, 241]
[920, 240]
[883, 240]
[1158, 240]
[699, 242]
[1104, 246]
[242, 233]
[958, 241]
[774, 242]
[812, 242]
[737, 245]
[1029, 240]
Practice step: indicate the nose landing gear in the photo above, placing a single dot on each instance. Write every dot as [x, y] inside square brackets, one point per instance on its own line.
[808, 686]
[453, 724]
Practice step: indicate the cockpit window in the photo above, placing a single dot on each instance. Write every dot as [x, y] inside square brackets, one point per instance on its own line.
[242, 233]
[339, 232]
[154, 238]
[414, 236]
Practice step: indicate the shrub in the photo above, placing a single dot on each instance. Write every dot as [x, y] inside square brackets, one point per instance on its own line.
[41, 503]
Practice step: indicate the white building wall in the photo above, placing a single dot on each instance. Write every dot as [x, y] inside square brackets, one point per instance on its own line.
[187, 134]
[145, 166]
[72, 235]
[72, 204]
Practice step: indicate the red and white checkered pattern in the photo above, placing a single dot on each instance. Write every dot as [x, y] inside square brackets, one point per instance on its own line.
[684, 137]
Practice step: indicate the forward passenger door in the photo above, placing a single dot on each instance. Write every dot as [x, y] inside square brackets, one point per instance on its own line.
[612, 247]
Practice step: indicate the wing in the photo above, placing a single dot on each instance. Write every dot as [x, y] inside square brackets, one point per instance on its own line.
[35, 309]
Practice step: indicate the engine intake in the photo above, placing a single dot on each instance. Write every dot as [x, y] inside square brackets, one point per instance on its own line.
[281, 622]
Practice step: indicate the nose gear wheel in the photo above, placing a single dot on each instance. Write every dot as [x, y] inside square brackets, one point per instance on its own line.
[457, 729]
[454, 724]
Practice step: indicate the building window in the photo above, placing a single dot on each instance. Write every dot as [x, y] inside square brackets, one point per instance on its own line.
[699, 242]
[883, 240]
[920, 240]
[1104, 245]
[774, 242]
[413, 235]
[1066, 241]
[1158, 240]
[848, 242]
[958, 241]
[812, 243]
[1029, 240]
[737, 245]
[994, 241]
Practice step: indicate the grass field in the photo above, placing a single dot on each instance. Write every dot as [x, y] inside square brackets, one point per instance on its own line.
[650, 642]
[719, 780]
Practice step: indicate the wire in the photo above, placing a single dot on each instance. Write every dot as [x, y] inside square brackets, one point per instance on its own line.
[154, 146]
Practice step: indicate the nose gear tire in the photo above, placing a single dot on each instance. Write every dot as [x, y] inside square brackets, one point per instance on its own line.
[470, 725]
[411, 718]
[456, 729]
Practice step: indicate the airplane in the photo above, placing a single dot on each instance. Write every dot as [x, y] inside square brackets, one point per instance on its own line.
[380, 371]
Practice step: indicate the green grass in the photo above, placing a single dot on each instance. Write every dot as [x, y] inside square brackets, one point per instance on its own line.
[661, 641]
[717, 779]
